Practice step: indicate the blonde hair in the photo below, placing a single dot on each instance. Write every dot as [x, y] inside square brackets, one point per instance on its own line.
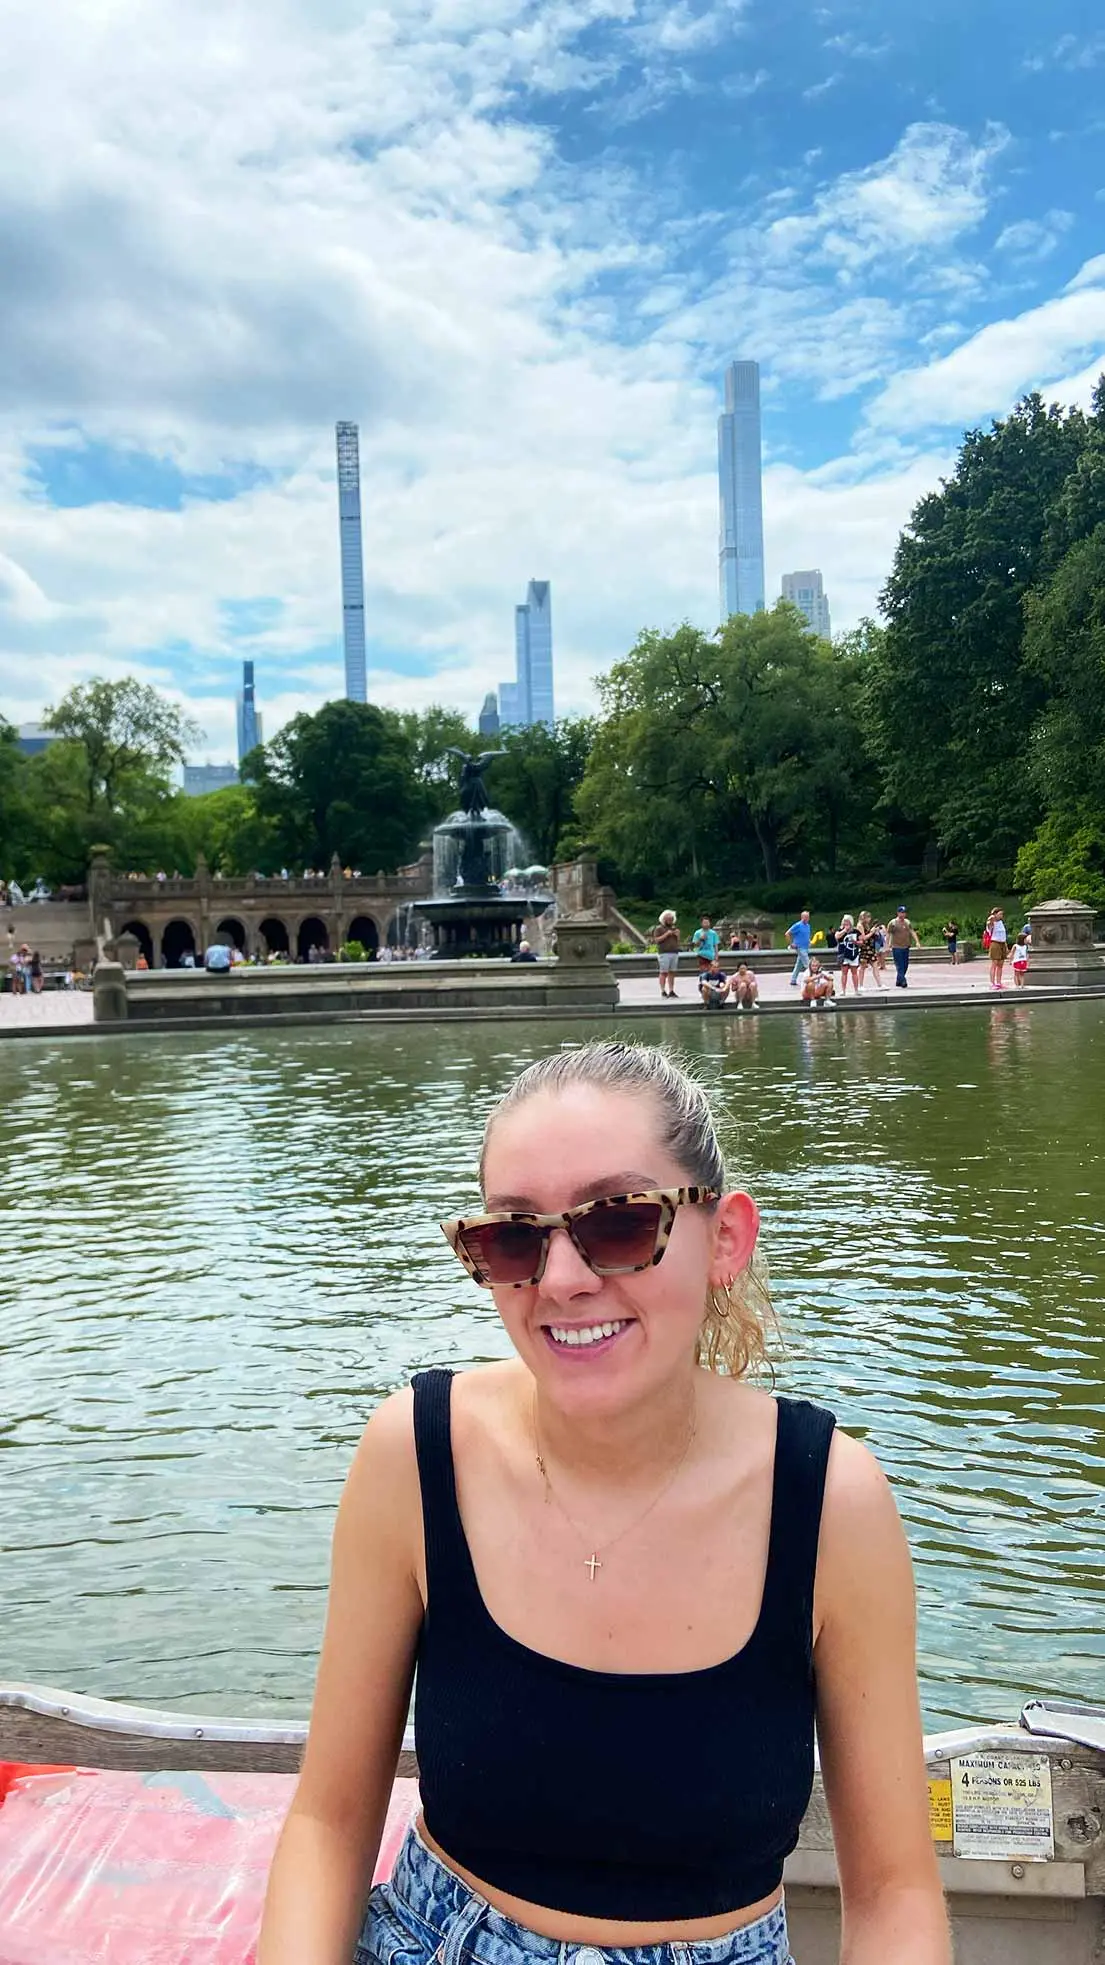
[739, 1320]
[669, 917]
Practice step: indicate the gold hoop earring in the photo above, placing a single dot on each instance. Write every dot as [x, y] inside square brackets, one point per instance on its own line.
[719, 1303]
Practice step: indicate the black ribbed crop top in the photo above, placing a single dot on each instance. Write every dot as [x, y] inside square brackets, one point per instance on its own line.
[643, 1796]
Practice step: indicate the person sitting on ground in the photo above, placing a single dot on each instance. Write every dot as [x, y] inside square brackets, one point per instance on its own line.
[217, 959]
[744, 989]
[817, 989]
[713, 987]
[523, 953]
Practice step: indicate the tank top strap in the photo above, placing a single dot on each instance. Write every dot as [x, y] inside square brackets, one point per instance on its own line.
[448, 1562]
[802, 1443]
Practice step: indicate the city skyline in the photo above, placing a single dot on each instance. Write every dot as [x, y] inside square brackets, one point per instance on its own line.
[351, 551]
[740, 493]
[535, 366]
[806, 591]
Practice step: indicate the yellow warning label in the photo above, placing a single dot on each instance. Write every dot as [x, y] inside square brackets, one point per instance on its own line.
[940, 1811]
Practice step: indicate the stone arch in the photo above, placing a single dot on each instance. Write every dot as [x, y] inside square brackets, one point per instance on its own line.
[178, 938]
[274, 933]
[312, 933]
[142, 936]
[232, 930]
[363, 929]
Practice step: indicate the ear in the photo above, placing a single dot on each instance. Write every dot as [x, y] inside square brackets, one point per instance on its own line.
[737, 1224]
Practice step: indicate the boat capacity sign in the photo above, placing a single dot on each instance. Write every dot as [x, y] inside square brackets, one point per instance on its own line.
[1001, 1807]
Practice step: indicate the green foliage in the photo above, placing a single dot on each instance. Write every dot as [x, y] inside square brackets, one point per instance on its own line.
[746, 745]
[536, 781]
[1065, 859]
[348, 781]
[353, 952]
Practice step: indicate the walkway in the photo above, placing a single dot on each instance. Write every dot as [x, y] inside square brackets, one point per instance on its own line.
[65, 1010]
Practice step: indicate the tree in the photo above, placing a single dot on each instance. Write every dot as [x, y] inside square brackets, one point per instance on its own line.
[345, 780]
[953, 697]
[709, 743]
[535, 783]
[129, 733]
[16, 809]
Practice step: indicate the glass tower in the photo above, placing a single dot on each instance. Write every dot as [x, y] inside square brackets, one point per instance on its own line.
[529, 699]
[352, 564]
[249, 722]
[741, 557]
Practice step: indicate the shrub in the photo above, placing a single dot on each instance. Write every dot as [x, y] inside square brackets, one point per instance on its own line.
[353, 952]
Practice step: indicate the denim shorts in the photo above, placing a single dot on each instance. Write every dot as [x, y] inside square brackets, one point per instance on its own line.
[426, 1916]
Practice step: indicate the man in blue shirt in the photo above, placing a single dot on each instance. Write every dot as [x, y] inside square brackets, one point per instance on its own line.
[798, 938]
[705, 942]
[217, 958]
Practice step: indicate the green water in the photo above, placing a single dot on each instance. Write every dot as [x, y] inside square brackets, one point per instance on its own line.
[221, 1252]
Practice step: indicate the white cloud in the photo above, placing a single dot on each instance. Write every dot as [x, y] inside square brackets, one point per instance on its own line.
[1035, 238]
[1040, 349]
[931, 190]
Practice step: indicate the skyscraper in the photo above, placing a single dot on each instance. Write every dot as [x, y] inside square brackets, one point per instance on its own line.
[806, 592]
[529, 699]
[488, 725]
[352, 564]
[249, 720]
[741, 542]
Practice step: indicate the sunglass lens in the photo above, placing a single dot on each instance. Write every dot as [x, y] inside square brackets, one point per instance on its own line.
[504, 1251]
[622, 1237]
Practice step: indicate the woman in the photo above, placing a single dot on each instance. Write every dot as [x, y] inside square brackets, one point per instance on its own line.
[629, 1579]
[868, 950]
[666, 936]
[817, 990]
[999, 947]
[847, 954]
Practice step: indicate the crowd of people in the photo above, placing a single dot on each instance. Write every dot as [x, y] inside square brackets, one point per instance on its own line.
[863, 949]
[25, 971]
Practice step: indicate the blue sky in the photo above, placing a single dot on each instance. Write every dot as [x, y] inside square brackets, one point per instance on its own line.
[518, 243]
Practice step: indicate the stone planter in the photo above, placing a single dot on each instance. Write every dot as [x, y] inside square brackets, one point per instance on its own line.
[1063, 951]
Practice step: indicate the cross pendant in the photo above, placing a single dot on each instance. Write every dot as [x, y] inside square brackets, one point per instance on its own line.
[592, 1563]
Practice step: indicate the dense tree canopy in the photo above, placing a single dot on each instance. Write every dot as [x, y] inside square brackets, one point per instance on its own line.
[347, 781]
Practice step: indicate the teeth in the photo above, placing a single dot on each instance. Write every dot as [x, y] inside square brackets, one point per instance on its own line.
[584, 1336]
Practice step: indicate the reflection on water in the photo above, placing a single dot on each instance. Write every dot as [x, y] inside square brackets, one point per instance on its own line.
[222, 1252]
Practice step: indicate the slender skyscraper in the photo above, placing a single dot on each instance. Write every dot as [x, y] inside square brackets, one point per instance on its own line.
[352, 564]
[806, 592]
[249, 721]
[529, 699]
[741, 568]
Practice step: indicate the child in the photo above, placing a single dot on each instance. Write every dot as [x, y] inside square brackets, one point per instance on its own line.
[1020, 960]
[817, 989]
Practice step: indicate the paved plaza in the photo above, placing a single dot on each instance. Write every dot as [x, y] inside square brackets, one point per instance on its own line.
[62, 1010]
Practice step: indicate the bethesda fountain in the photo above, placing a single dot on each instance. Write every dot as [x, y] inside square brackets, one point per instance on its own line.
[473, 910]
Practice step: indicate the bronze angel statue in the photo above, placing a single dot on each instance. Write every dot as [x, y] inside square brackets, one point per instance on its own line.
[473, 797]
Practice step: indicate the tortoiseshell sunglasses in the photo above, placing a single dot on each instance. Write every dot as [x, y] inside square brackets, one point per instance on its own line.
[615, 1236]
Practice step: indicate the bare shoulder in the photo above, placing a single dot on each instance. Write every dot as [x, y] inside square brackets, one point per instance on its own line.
[863, 1563]
[382, 1484]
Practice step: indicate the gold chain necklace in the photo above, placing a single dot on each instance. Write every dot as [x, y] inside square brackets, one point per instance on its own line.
[592, 1563]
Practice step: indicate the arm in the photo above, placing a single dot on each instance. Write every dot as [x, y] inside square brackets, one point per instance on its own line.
[869, 1725]
[322, 1869]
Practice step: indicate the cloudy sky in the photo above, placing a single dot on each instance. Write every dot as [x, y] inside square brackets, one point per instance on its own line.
[517, 241]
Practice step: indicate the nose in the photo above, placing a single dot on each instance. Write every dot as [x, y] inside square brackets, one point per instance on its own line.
[566, 1274]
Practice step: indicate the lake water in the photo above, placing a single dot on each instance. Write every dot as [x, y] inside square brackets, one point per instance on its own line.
[221, 1252]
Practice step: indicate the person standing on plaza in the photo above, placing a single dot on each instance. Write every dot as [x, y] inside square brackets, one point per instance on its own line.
[1020, 960]
[799, 937]
[903, 938]
[34, 973]
[848, 954]
[950, 934]
[999, 947]
[868, 950]
[705, 942]
[666, 936]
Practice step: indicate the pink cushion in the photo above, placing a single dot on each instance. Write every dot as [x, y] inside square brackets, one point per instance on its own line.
[144, 1869]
